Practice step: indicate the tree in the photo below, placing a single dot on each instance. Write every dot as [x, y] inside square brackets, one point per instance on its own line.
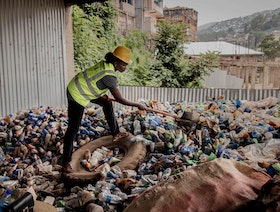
[198, 68]
[94, 33]
[137, 72]
[270, 46]
[173, 68]
[157, 61]
[169, 50]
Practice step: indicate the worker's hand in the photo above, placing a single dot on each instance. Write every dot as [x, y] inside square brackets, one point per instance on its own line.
[141, 106]
[107, 98]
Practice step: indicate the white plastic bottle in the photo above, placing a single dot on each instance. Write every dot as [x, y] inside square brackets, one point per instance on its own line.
[138, 190]
[137, 127]
[119, 193]
[109, 198]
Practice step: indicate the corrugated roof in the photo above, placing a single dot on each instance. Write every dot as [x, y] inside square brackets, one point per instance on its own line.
[224, 48]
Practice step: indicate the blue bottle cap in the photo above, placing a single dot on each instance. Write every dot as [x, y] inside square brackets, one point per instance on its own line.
[9, 191]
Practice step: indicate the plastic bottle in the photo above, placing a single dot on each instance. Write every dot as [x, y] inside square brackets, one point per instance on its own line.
[119, 193]
[186, 150]
[116, 169]
[160, 129]
[110, 198]
[2, 156]
[137, 127]
[6, 198]
[150, 163]
[166, 173]
[138, 190]
[111, 175]
[152, 122]
[206, 139]
[179, 136]
[129, 173]
[141, 169]
[103, 185]
[116, 151]
[4, 178]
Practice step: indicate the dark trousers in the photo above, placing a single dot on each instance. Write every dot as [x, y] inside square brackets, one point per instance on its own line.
[75, 114]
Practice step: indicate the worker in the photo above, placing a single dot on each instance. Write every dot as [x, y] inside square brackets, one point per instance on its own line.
[92, 86]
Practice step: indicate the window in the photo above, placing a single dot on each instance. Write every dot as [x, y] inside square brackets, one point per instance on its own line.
[189, 32]
[157, 1]
[127, 1]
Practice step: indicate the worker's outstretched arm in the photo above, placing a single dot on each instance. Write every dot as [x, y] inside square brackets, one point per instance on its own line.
[118, 98]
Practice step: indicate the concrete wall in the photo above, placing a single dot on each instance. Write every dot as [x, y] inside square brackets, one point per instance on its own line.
[220, 79]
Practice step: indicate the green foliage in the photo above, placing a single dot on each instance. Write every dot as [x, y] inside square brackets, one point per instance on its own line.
[198, 68]
[94, 35]
[138, 72]
[262, 23]
[105, 12]
[270, 46]
[256, 24]
[172, 69]
[156, 61]
[169, 49]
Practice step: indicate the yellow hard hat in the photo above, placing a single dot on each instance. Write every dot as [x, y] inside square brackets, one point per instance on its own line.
[123, 54]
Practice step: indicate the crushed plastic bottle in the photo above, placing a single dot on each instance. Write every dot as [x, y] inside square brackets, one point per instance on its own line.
[110, 198]
[119, 193]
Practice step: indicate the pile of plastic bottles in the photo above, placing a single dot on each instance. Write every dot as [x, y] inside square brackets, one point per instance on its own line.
[31, 144]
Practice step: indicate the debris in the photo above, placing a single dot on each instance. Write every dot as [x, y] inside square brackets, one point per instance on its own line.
[31, 143]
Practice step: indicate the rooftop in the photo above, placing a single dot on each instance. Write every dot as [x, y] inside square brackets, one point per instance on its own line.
[224, 48]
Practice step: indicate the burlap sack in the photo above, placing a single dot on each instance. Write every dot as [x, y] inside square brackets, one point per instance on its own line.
[218, 185]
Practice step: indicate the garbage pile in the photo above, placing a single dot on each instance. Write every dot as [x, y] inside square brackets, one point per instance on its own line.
[32, 143]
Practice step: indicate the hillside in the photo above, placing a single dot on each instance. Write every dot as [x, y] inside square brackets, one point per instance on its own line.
[246, 31]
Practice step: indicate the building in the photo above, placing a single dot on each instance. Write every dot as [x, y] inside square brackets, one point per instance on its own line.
[36, 52]
[126, 15]
[240, 62]
[183, 15]
[229, 52]
[140, 14]
[148, 14]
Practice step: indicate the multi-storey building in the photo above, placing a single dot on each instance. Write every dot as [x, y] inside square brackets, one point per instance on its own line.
[144, 15]
[140, 14]
[126, 15]
[184, 15]
[148, 14]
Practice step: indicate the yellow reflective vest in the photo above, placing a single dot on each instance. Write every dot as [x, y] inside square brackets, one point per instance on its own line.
[83, 86]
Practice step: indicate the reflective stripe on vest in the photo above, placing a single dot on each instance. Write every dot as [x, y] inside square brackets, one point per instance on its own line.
[83, 97]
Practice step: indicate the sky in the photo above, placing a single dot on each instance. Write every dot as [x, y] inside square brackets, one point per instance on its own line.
[220, 10]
